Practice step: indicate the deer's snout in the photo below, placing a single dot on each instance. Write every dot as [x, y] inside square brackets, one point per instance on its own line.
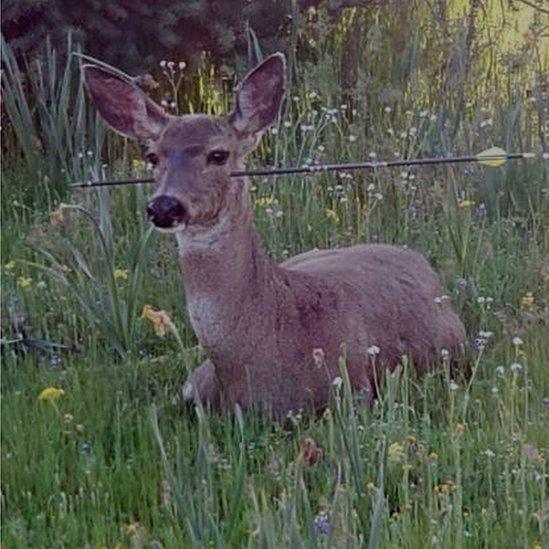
[167, 212]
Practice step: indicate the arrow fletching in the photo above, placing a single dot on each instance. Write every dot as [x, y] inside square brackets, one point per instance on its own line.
[493, 157]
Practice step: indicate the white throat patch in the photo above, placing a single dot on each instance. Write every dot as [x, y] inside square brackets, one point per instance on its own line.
[190, 239]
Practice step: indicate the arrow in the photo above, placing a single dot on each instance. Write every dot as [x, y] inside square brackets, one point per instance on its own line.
[492, 158]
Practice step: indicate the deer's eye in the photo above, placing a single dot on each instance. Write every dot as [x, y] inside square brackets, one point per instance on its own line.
[217, 157]
[152, 158]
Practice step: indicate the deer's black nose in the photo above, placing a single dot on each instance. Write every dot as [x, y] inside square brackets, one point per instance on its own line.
[166, 212]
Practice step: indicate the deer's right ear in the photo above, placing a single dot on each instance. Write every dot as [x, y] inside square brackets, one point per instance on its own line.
[123, 106]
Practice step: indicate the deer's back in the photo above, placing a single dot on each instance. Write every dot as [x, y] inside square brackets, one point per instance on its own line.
[386, 296]
[376, 267]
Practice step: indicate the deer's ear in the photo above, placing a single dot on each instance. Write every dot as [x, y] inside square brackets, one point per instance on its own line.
[124, 106]
[260, 95]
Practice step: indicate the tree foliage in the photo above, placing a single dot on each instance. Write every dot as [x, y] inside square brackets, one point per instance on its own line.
[134, 34]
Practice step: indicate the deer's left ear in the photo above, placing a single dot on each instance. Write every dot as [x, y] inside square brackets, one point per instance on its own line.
[260, 95]
[123, 105]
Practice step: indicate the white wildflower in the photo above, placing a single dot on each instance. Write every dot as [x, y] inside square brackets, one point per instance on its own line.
[516, 367]
[373, 350]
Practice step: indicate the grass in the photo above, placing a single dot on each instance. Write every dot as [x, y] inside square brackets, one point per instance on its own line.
[448, 460]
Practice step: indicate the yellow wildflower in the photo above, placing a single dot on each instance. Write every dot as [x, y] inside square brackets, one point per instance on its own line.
[24, 281]
[331, 214]
[51, 393]
[121, 274]
[464, 204]
[371, 486]
[433, 456]
[265, 201]
[412, 439]
[161, 321]
[527, 300]
[537, 545]
[396, 453]
[445, 488]
[10, 265]
[138, 164]
[132, 528]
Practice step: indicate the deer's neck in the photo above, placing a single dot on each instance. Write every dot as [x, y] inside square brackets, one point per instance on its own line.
[227, 277]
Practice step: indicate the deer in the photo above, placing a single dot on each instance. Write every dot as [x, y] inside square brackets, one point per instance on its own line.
[273, 334]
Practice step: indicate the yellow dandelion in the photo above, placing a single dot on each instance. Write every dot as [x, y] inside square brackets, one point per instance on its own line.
[161, 321]
[51, 394]
[265, 201]
[132, 528]
[527, 300]
[445, 488]
[121, 274]
[396, 453]
[537, 545]
[433, 456]
[331, 214]
[138, 164]
[24, 281]
[464, 204]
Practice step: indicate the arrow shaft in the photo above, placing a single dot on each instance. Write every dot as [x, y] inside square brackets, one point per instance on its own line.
[318, 168]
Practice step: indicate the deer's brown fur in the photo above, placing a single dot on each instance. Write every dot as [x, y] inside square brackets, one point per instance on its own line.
[274, 333]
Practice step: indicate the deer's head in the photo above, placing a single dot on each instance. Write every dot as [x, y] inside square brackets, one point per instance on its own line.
[192, 155]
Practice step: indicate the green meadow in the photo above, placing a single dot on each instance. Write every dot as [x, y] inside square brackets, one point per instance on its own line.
[97, 448]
